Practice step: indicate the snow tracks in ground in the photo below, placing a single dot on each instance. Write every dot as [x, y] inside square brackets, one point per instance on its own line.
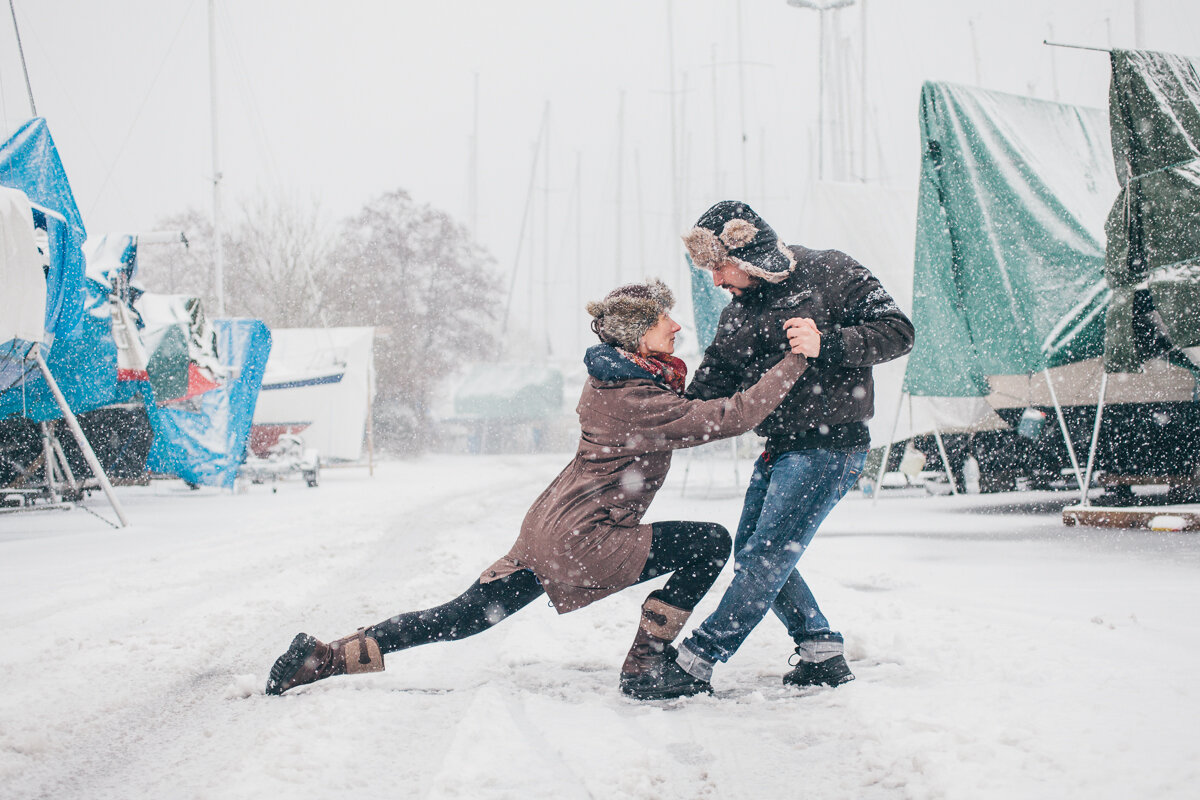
[997, 655]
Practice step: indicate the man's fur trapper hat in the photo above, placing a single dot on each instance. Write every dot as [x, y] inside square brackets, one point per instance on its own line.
[731, 231]
[627, 312]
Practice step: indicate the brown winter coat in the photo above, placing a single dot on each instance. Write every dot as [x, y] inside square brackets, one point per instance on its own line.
[583, 536]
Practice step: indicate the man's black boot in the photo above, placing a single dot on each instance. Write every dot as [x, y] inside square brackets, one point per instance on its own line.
[832, 671]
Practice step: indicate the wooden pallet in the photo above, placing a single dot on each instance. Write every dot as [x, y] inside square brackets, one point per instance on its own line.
[1161, 518]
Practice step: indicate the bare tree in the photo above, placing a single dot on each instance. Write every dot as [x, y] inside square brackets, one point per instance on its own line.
[414, 271]
[403, 267]
[174, 269]
[279, 259]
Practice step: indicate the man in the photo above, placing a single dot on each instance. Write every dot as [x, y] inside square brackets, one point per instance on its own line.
[839, 315]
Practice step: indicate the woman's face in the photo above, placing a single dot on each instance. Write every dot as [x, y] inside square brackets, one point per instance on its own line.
[660, 338]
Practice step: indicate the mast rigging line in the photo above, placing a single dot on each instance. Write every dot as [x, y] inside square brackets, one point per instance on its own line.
[243, 74]
[537, 150]
[141, 107]
[24, 67]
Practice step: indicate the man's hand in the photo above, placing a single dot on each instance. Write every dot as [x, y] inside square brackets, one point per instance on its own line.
[803, 336]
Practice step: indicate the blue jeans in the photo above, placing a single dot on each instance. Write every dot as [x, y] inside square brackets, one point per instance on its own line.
[788, 498]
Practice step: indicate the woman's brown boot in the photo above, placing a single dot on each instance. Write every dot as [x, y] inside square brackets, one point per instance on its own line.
[650, 671]
[308, 660]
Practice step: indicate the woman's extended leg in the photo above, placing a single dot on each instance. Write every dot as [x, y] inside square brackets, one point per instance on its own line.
[480, 607]
[694, 553]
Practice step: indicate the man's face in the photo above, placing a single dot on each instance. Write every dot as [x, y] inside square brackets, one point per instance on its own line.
[728, 275]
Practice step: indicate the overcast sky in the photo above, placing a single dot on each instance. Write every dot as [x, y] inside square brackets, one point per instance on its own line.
[334, 103]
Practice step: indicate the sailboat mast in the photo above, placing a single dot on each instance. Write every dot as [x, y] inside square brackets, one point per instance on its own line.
[473, 199]
[218, 261]
[620, 174]
[862, 92]
[546, 233]
[741, 66]
[677, 195]
[546, 321]
[579, 242]
[716, 117]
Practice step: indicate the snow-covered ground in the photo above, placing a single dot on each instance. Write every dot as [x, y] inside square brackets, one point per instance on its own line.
[998, 654]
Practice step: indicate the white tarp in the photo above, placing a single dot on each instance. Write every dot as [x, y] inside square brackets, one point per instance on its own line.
[324, 377]
[1078, 384]
[23, 300]
[876, 225]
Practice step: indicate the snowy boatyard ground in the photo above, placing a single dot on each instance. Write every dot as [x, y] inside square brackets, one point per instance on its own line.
[998, 654]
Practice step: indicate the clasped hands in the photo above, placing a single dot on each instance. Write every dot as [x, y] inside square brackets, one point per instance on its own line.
[803, 336]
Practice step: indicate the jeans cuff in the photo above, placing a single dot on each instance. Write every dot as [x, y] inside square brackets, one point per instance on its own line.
[694, 664]
[817, 650]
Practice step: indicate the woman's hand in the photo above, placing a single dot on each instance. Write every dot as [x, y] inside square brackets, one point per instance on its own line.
[803, 336]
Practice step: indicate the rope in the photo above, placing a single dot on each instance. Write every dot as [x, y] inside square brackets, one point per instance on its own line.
[243, 72]
[137, 116]
[1164, 169]
[97, 516]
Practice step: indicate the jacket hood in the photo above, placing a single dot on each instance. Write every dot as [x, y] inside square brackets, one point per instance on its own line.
[605, 363]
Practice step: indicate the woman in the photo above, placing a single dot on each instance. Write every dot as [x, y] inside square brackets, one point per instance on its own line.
[583, 538]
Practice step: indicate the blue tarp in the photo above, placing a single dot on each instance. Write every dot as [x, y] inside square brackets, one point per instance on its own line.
[82, 356]
[83, 363]
[29, 161]
[204, 441]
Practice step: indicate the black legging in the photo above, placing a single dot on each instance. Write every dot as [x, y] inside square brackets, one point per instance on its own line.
[693, 552]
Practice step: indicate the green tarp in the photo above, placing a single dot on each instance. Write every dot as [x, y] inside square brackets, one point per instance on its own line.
[512, 392]
[1008, 271]
[1154, 227]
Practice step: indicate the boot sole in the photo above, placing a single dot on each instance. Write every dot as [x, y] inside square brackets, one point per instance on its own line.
[839, 681]
[286, 666]
[638, 694]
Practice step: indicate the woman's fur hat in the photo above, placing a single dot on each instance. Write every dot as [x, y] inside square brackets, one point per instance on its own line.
[627, 312]
[731, 231]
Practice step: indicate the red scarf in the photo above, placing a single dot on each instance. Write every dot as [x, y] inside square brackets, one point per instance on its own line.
[668, 369]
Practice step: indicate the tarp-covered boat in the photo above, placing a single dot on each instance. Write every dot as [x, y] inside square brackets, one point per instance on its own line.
[1153, 263]
[319, 384]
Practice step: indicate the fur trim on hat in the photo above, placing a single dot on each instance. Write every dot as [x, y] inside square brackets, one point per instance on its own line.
[705, 248]
[627, 312]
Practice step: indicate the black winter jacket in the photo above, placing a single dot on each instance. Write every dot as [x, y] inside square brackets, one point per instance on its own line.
[860, 326]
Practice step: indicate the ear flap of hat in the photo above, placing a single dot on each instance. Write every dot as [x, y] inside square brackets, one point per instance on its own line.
[705, 248]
